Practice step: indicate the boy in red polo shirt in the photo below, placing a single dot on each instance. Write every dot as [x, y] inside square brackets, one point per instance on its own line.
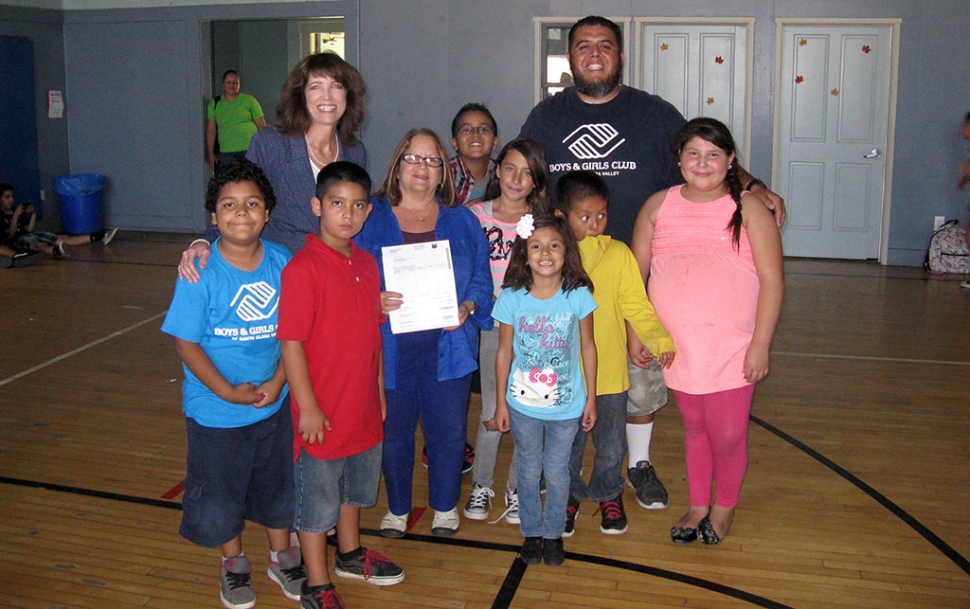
[329, 328]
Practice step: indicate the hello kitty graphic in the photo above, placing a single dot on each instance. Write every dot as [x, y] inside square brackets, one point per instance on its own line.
[537, 388]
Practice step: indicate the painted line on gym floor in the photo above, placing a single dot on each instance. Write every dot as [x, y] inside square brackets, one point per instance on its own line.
[506, 593]
[868, 358]
[517, 570]
[91, 344]
[945, 548]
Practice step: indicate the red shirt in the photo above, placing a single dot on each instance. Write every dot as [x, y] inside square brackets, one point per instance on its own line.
[332, 304]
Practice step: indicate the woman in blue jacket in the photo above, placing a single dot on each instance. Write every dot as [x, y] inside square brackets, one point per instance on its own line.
[427, 374]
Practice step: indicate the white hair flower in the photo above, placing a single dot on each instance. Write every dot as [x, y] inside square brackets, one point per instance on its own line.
[525, 226]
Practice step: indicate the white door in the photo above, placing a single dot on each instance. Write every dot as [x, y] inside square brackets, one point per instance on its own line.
[833, 137]
[700, 68]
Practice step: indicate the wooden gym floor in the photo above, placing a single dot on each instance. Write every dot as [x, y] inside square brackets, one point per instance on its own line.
[857, 495]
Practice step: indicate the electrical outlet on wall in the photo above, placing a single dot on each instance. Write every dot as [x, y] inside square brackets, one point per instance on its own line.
[938, 222]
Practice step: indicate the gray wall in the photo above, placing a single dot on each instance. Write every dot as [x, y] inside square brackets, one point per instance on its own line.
[46, 30]
[133, 87]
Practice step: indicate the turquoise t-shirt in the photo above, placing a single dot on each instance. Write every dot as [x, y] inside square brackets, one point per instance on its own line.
[546, 377]
[231, 314]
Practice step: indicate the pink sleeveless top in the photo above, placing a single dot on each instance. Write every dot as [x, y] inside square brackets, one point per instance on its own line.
[705, 293]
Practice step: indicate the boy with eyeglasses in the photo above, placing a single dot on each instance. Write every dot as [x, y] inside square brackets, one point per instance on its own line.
[474, 136]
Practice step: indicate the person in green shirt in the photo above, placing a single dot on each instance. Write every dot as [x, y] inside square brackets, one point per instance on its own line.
[233, 117]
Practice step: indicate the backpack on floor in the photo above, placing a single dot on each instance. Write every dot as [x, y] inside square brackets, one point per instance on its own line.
[949, 252]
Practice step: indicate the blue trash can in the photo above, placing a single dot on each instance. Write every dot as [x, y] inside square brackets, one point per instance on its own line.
[80, 196]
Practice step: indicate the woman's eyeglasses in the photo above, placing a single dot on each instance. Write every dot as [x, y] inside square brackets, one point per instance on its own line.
[430, 161]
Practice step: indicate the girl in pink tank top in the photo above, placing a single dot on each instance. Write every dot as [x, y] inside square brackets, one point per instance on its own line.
[716, 280]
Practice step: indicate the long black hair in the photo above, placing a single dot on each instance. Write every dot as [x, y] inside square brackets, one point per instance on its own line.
[714, 131]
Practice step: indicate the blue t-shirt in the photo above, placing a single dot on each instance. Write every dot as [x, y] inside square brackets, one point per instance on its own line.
[231, 314]
[546, 378]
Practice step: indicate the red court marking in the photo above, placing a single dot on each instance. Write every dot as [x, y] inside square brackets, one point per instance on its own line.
[416, 514]
[175, 491]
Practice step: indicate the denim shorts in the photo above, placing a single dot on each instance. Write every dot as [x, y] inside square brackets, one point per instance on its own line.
[648, 393]
[323, 485]
[237, 474]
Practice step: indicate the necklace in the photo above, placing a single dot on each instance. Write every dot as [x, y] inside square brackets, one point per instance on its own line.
[421, 218]
[318, 162]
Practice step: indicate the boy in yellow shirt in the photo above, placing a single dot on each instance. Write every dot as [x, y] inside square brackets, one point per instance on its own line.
[583, 198]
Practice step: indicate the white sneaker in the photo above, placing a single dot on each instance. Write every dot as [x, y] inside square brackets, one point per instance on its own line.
[478, 503]
[444, 523]
[394, 526]
[965, 284]
[511, 513]
[512, 507]
[108, 236]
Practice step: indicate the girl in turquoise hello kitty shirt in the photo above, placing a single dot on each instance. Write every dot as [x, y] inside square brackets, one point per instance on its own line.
[545, 352]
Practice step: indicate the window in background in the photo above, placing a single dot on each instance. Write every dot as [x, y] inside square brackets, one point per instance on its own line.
[552, 44]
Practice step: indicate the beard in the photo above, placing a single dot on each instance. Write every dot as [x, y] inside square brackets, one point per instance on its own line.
[598, 89]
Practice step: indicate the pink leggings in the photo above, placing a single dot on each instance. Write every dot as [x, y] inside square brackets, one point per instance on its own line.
[716, 443]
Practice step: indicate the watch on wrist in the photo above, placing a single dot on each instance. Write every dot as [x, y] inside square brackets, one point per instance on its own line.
[755, 182]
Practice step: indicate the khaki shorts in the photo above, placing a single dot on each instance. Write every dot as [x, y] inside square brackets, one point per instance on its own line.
[648, 393]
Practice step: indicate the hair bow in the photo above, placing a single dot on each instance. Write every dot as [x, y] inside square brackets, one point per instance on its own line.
[525, 226]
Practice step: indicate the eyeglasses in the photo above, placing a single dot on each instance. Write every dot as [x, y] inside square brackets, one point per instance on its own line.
[430, 161]
[467, 130]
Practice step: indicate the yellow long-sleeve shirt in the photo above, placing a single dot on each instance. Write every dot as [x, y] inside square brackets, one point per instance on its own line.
[620, 296]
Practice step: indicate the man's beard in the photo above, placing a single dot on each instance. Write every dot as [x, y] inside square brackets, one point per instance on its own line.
[599, 89]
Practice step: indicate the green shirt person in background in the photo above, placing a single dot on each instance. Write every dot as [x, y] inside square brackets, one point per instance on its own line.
[233, 117]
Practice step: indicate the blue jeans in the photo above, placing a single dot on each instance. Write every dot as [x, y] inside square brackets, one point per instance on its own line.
[442, 407]
[609, 440]
[323, 485]
[536, 457]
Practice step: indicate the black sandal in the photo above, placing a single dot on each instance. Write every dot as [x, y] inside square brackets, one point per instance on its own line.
[707, 533]
[683, 535]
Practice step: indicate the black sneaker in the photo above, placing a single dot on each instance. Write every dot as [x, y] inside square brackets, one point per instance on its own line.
[614, 516]
[369, 566]
[553, 554]
[22, 259]
[531, 552]
[320, 597]
[572, 508]
[651, 492]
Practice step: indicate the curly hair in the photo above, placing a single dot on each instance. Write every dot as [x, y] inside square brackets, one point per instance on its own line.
[239, 170]
[292, 116]
[391, 188]
[714, 131]
[519, 274]
[535, 157]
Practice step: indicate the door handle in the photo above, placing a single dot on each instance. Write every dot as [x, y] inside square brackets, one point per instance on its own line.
[874, 154]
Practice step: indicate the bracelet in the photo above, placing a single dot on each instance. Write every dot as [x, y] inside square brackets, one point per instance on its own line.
[755, 182]
[200, 240]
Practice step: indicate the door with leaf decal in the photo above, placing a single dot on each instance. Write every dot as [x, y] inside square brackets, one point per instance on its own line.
[701, 67]
[833, 137]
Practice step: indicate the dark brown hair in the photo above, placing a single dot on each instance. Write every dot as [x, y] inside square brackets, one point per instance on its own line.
[714, 131]
[519, 274]
[535, 157]
[291, 113]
